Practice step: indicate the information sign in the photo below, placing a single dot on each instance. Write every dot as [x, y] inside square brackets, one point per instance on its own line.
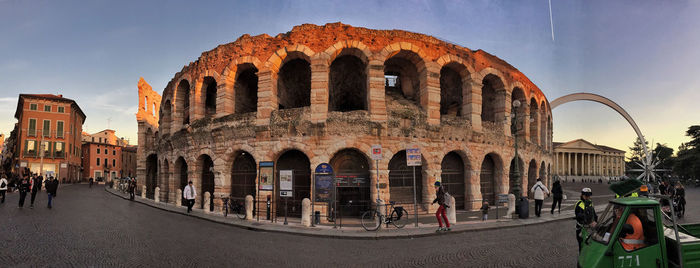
[323, 182]
[413, 157]
[267, 176]
[376, 152]
[286, 183]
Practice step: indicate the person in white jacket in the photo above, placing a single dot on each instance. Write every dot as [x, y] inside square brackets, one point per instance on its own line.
[539, 190]
[3, 189]
[189, 193]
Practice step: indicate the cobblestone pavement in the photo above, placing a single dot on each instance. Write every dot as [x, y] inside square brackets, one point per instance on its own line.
[90, 227]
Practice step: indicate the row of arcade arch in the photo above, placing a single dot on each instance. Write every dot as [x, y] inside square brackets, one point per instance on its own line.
[455, 170]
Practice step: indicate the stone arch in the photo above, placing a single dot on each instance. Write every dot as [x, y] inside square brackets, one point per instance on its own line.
[166, 117]
[182, 101]
[164, 183]
[228, 88]
[181, 175]
[401, 180]
[245, 88]
[543, 125]
[352, 167]
[490, 174]
[243, 175]
[348, 47]
[531, 176]
[405, 71]
[207, 96]
[453, 177]
[347, 80]
[513, 177]
[534, 121]
[294, 82]
[205, 166]
[151, 175]
[543, 172]
[299, 163]
[493, 100]
[453, 80]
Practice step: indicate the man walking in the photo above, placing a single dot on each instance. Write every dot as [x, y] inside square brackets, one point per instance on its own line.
[190, 194]
[51, 187]
[36, 187]
[3, 188]
[24, 186]
[132, 188]
[539, 190]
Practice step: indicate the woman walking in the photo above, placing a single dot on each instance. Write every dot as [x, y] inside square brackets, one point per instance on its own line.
[440, 213]
[558, 195]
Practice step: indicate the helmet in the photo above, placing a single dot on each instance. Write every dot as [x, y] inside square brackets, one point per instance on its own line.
[437, 183]
[644, 188]
[586, 191]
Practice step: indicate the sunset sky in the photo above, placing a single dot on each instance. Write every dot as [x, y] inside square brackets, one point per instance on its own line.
[643, 55]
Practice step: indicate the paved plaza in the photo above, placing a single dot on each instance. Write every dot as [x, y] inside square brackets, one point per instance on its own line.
[91, 227]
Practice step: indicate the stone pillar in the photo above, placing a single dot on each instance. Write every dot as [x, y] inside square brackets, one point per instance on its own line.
[178, 200]
[430, 95]
[451, 211]
[376, 97]
[197, 105]
[568, 164]
[156, 195]
[472, 107]
[225, 96]
[306, 212]
[207, 201]
[575, 164]
[249, 207]
[143, 191]
[319, 88]
[511, 206]
[267, 96]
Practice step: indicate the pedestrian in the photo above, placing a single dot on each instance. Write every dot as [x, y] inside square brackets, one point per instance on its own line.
[585, 214]
[539, 190]
[558, 195]
[440, 200]
[189, 194]
[679, 199]
[3, 188]
[91, 180]
[23, 186]
[485, 211]
[36, 187]
[663, 187]
[132, 188]
[51, 187]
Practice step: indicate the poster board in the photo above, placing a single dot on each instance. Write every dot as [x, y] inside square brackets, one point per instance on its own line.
[266, 179]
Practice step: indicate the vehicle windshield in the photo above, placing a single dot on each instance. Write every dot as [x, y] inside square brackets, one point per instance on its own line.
[606, 225]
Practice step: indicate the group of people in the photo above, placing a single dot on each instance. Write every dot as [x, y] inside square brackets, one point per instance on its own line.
[30, 185]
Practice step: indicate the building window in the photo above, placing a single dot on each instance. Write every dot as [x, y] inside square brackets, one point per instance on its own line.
[106, 151]
[59, 150]
[105, 162]
[47, 108]
[61, 109]
[33, 106]
[32, 127]
[59, 129]
[46, 149]
[100, 140]
[98, 150]
[114, 152]
[114, 162]
[93, 139]
[47, 128]
[98, 161]
[30, 148]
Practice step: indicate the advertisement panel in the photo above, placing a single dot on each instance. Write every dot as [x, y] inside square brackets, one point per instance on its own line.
[267, 176]
[286, 183]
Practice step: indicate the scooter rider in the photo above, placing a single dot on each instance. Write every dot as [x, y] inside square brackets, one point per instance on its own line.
[585, 214]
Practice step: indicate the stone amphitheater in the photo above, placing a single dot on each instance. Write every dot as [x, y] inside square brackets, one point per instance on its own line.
[326, 94]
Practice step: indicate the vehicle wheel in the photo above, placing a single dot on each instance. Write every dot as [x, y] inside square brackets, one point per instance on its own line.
[399, 222]
[371, 220]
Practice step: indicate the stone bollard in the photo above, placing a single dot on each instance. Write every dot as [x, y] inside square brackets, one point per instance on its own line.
[143, 191]
[380, 207]
[511, 206]
[207, 201]
[306, 212]
[115, 185]
[178, 198]
[156, 195]
[451, 211]
[249, 207]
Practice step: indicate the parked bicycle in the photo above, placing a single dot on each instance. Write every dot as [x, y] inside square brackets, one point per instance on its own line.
[373, 219]
[234, 206]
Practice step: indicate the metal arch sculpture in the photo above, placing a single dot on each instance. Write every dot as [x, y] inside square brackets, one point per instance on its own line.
[648, 166]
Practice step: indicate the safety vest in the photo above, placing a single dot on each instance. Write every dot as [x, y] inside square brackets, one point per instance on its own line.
[581, 204]
[634, 240]
[635, 194]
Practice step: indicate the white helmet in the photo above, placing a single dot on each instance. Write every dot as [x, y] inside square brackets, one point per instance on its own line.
[587, 191]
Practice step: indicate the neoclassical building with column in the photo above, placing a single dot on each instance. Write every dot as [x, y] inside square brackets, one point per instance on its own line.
[580, 159]
[326, 94]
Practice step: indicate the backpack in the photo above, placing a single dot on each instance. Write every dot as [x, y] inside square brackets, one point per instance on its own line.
[3, 185]
[448, 199]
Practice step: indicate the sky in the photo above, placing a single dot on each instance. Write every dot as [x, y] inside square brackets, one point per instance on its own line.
[643, 55]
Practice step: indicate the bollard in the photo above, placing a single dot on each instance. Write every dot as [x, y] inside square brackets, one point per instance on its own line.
[143, 191]
[249, 207]
[207, 201]
[306, 212]
[178, 198]
[511, 206]
[115, 185]
[451, 211]
[156, 195]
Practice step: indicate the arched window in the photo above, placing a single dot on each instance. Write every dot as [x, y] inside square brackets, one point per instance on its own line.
[246, 88]
[534, 123]
[182, 101]
[209, 94]
[294, 84]
[347, 84]
[402, 80]
[451, 97]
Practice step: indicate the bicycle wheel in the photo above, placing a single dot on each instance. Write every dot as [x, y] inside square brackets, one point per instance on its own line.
[371, 220]
[399, 217]
[240, 212]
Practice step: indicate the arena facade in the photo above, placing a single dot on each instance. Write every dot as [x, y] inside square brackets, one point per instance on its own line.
[326, 94]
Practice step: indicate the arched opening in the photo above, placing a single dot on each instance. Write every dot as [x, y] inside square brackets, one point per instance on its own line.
[519, 95]
[148, 139]
[543, 172]
[451, 89]
[165, 181]
[531, 177]
[181, 176]
[243, 175]
[402, 80]
[155, 108]
[145, 103]
[549, 174]
[209, 95]
[166, 117]
[182, 101]
[352, 174]
[299, 164]
[491, 99]
[487, 179]
[452, 178]
[401, 180]
[246, 88]
[534, 123]
[151, 175]
[347, 84]
[543, 125]
[514, 178]
[294, 84]
[207, 184]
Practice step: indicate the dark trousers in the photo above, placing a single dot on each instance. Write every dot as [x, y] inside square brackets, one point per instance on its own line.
[50, 197]
[579, 239]
[2, 196]
[538, 207]
[556, 204]
[22, 196]
[190, 204]
[131, 195]
[33, 197]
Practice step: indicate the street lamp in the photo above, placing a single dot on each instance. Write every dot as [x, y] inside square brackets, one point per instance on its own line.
[515, 189]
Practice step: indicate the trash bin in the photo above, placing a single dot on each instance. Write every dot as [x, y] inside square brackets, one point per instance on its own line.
[317, 217]
[524, 208]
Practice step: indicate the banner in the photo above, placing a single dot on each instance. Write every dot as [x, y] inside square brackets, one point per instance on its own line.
[267, 176]
[286, 183]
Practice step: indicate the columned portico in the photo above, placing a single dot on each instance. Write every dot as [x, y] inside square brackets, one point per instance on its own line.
[582, 159]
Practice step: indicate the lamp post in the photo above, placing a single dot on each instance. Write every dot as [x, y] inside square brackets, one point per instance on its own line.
[515, 189]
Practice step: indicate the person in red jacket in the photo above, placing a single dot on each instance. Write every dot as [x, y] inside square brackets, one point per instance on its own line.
[440, 199]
